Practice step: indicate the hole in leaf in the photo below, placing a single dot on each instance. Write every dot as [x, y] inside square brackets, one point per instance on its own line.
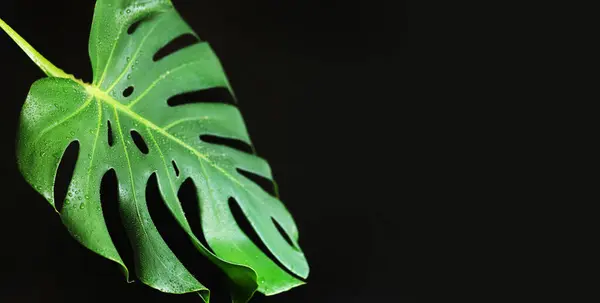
[266, 184]
[64, 174]
[246, 227]
[111, 139]
[175, 45]
[188, 196]
[139, 142]
[181, 245]
[284, 234]
[128, 91]
[109, 197]
[211, 95]
[175, 168]
[134, 26]
[233, 143]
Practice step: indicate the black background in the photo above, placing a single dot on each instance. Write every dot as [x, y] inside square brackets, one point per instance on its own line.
[314, 79]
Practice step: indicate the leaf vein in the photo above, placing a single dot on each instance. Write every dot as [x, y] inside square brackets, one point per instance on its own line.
[173, 124]
[160, 78]
[87, 186]
[134, 57]
[74, 114]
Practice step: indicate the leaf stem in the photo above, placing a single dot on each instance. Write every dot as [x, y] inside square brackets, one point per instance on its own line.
[46, 66]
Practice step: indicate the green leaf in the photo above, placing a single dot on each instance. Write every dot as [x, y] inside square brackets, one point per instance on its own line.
[60, 110]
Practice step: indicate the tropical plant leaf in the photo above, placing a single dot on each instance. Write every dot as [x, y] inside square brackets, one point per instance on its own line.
[130, 90]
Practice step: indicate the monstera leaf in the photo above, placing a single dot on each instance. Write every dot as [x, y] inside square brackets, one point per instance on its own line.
[129, 98]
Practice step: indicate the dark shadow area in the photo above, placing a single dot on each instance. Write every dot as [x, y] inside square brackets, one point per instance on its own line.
[134, 26]
[110, 134]
[64, 176]
[175, 45]
[128, 91]
[139, 142]
[178, 241]
[109, 197]
[264, 183]
[232, 143]
[211, 95]
[246, 227]
[188, 197]
[175, 168]
[283, 234]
